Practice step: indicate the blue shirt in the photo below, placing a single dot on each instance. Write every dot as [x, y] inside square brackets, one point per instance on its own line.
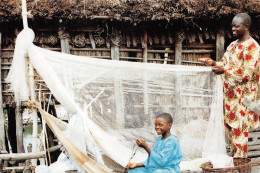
[165, 157]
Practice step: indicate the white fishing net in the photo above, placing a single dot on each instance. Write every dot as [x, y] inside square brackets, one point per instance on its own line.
[116, 102]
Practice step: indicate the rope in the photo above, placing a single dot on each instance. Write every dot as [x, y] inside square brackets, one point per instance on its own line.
[135, 147]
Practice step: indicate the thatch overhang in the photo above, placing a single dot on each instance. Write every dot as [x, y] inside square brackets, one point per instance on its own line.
[132, 10]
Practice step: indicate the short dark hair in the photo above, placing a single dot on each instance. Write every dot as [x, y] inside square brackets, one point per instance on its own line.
[246, 18]
[166, 116]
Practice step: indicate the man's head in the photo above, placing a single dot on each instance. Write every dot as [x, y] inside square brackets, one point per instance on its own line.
[241, 24]
[163, 123]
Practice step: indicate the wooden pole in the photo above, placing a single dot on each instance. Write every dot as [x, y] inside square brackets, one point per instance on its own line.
[145, 86]
[114, 52]
[115, 42]
[145, 47]
[179, 37]
[42, 160]
[24, 14]
[34, 114]
[64, 41]
[19, 127]
[119, 95]
[26, 156]
[2, 127]
[220, 42]
[178, 105]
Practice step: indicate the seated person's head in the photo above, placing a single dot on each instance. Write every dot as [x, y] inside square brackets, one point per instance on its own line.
[163, 123]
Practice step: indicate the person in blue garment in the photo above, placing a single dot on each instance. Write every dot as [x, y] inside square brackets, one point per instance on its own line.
[166, 155]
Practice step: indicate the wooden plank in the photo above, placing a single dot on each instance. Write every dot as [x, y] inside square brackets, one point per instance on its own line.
[220, 43]
[253, 153]
[198, 46]
[254, 160]
[254, 142]
[254, 147]
[2, 126]
[254, 130]
[254, 135]
[130, 50]
[85, 29]
[90, 49]
[198, 51]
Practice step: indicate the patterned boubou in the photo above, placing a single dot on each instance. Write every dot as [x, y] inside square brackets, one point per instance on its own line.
[241, 74]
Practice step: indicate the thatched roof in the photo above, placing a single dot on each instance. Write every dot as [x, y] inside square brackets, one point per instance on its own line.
[135, 10]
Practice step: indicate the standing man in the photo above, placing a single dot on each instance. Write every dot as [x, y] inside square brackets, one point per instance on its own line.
[241, 74]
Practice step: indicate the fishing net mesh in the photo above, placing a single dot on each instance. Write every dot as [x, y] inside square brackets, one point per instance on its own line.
[113, 103]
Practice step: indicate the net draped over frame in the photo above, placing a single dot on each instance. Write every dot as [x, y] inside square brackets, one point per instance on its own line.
[115, 102]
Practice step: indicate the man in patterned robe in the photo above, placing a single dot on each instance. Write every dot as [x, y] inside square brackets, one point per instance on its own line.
[241, 74]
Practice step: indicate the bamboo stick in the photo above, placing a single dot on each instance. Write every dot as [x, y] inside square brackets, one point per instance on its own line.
[43, 128]
[2, 126]
[46, 134]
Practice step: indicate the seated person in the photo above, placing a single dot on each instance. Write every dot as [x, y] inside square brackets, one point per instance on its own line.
[166, 154]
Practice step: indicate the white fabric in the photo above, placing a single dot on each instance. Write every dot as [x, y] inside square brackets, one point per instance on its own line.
[116, 102]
